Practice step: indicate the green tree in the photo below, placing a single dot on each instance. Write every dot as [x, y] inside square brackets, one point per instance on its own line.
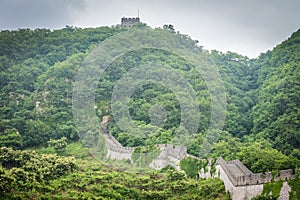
[10, 138]
[59, 145]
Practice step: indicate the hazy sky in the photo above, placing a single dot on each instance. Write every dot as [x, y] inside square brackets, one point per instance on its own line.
[247, 27]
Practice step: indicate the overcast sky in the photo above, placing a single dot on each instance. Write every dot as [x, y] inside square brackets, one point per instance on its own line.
[247, 27]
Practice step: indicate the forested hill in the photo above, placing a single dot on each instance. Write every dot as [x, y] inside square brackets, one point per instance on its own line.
[38, 69]
[27, 56]
[276, 114]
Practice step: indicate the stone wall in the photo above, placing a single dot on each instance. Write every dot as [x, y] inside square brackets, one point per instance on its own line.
[115, 150]
[240, 192]
[169, 155]
[240, 175]
[241, 166]
[241, 183]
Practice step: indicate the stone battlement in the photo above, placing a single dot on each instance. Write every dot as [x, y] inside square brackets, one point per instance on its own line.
[130, 19]
[240, 175]
[113, 145]
[129, 22]
[169, 154]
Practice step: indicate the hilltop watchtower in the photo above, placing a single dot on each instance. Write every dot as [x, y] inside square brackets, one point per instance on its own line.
[129, 22]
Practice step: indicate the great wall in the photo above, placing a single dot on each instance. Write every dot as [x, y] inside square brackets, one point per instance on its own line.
[169, 154]
[244, 184]
[239, 181]
[240, 175]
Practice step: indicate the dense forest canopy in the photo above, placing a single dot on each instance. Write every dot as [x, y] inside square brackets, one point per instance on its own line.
[38, 69]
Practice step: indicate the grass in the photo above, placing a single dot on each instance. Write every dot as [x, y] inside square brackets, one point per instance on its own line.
[75, 149]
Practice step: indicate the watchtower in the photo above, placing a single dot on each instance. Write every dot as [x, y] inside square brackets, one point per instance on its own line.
[129, 22]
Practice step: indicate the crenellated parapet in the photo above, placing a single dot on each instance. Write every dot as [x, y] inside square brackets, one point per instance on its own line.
[169, 155]
[113, 145]
[240, 175]
[129, 22]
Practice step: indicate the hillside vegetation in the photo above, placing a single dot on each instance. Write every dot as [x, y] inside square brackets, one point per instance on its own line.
[38, 69]
[31, 175]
